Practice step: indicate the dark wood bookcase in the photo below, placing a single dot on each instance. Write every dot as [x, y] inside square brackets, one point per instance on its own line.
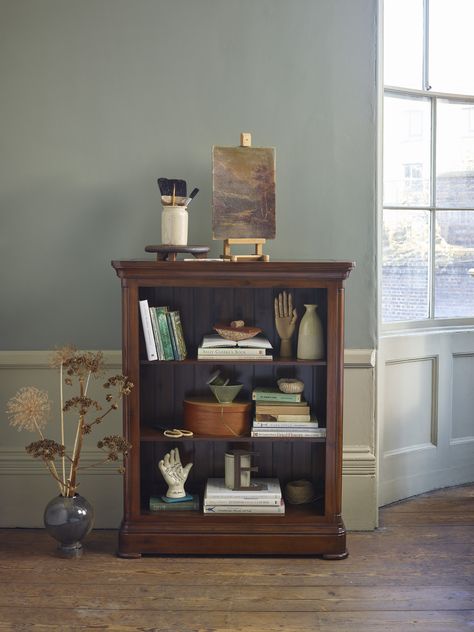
[206, 293]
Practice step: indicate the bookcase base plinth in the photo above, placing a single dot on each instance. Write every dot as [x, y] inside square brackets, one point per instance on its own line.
[328, 541]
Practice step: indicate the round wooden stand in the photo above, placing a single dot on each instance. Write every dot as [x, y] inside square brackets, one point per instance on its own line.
[170, 252]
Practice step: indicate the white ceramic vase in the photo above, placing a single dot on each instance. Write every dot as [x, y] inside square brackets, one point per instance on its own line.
[310, 336]
[174, 226]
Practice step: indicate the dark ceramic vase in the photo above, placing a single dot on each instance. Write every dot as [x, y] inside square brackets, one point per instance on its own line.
[69, 520]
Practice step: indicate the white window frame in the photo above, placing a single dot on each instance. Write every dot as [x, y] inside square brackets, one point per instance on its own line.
[431, 323]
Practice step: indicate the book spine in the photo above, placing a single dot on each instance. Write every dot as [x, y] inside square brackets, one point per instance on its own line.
[156, 333]
[160, 505]
[308, 425]
[179, 334]
[165, 335]
[231, 351]
[261, 409]
[148, 331]
[219, 356]
[271, 502]
[282, 418]
[276, 398]
[243, 509]
[321, 432]
[172, 337]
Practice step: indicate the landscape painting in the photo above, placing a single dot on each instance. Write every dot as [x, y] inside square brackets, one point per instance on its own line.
[243, 192]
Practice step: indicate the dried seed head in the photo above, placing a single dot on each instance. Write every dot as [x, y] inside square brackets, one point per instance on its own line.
[29, 409]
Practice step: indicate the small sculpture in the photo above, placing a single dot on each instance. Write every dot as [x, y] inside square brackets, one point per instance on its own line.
[285, 321]
[175, 475]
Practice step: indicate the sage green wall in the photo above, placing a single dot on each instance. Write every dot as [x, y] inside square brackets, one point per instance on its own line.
[100, 97]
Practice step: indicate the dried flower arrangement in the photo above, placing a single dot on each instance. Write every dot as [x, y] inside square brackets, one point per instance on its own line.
[29, 410]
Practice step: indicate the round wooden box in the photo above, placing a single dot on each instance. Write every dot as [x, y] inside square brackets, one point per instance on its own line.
[206, 416]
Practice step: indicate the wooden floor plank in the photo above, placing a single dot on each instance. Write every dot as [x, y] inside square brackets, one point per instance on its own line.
[216, 598]
[143, 621]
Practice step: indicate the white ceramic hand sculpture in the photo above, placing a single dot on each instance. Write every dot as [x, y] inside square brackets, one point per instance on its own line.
[174, 473]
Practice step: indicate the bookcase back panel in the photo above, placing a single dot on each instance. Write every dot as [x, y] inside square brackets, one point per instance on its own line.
[202, 307]
[285, 460]
[164, 386]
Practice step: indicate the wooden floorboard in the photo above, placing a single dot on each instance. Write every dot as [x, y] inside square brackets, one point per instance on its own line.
[416, 572]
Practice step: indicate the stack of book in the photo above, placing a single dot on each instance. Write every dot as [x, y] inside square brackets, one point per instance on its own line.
[214, 347]
[163, 333]
[280, 414]
[219, 499]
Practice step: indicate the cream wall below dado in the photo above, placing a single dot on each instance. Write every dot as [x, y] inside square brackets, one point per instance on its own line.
[26, 486]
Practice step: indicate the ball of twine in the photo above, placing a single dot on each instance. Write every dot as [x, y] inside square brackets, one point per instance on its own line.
[299, 492]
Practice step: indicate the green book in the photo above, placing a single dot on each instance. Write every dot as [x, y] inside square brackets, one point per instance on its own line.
[157, 504]
[161, 314]
[173, 337]
[271, 394]
[175, 320]
[156, 332]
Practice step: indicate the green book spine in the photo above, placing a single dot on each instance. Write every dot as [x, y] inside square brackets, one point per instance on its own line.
[179, 335]
[156, 333]
[165, 336]
[172, 337]
[157, 504]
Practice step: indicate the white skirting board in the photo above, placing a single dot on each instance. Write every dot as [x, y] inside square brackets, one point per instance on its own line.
[26, 486]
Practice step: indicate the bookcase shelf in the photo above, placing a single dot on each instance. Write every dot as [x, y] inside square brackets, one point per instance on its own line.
[153, 434]
[276, 361]
[205, 293]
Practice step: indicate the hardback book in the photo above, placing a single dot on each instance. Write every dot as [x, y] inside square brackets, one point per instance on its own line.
[257, 342]
[274, 395]
[283, 417]
[158, 504]
[230, 351]
[309, 423]
[278, 509]
[156, 333]
[178, 334]
[238, 356]
[161, 314]
[172, 337]
[148, 331]
[217, 492]
[296, 408]
[275, 432]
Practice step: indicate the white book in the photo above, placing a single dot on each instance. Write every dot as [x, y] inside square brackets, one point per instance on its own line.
[232, 358]
[245, 509]
[148, 331]
[216, 491]
[231, 351]
[252, 501]
[271, 432]
[286, 425]
[214, 340]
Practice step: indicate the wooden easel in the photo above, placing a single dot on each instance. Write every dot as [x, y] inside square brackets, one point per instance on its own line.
[245, 141]
[258, 256]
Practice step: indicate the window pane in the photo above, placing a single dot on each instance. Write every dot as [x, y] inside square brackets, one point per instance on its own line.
[403, 43]
[451, 46]
[407, 138]
[454, 256]
[406, 248]
[455, 155]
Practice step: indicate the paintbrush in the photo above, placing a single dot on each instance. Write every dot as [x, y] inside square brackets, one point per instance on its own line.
[192, 195]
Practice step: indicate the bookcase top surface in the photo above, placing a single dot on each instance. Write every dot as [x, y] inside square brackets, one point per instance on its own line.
[147, 268]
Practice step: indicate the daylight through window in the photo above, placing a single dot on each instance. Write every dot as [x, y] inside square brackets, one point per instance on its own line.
[428, 172]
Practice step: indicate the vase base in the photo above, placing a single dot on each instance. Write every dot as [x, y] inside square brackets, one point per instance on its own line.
[70, 551]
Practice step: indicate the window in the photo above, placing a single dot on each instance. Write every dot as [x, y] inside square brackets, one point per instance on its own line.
[428, 181]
